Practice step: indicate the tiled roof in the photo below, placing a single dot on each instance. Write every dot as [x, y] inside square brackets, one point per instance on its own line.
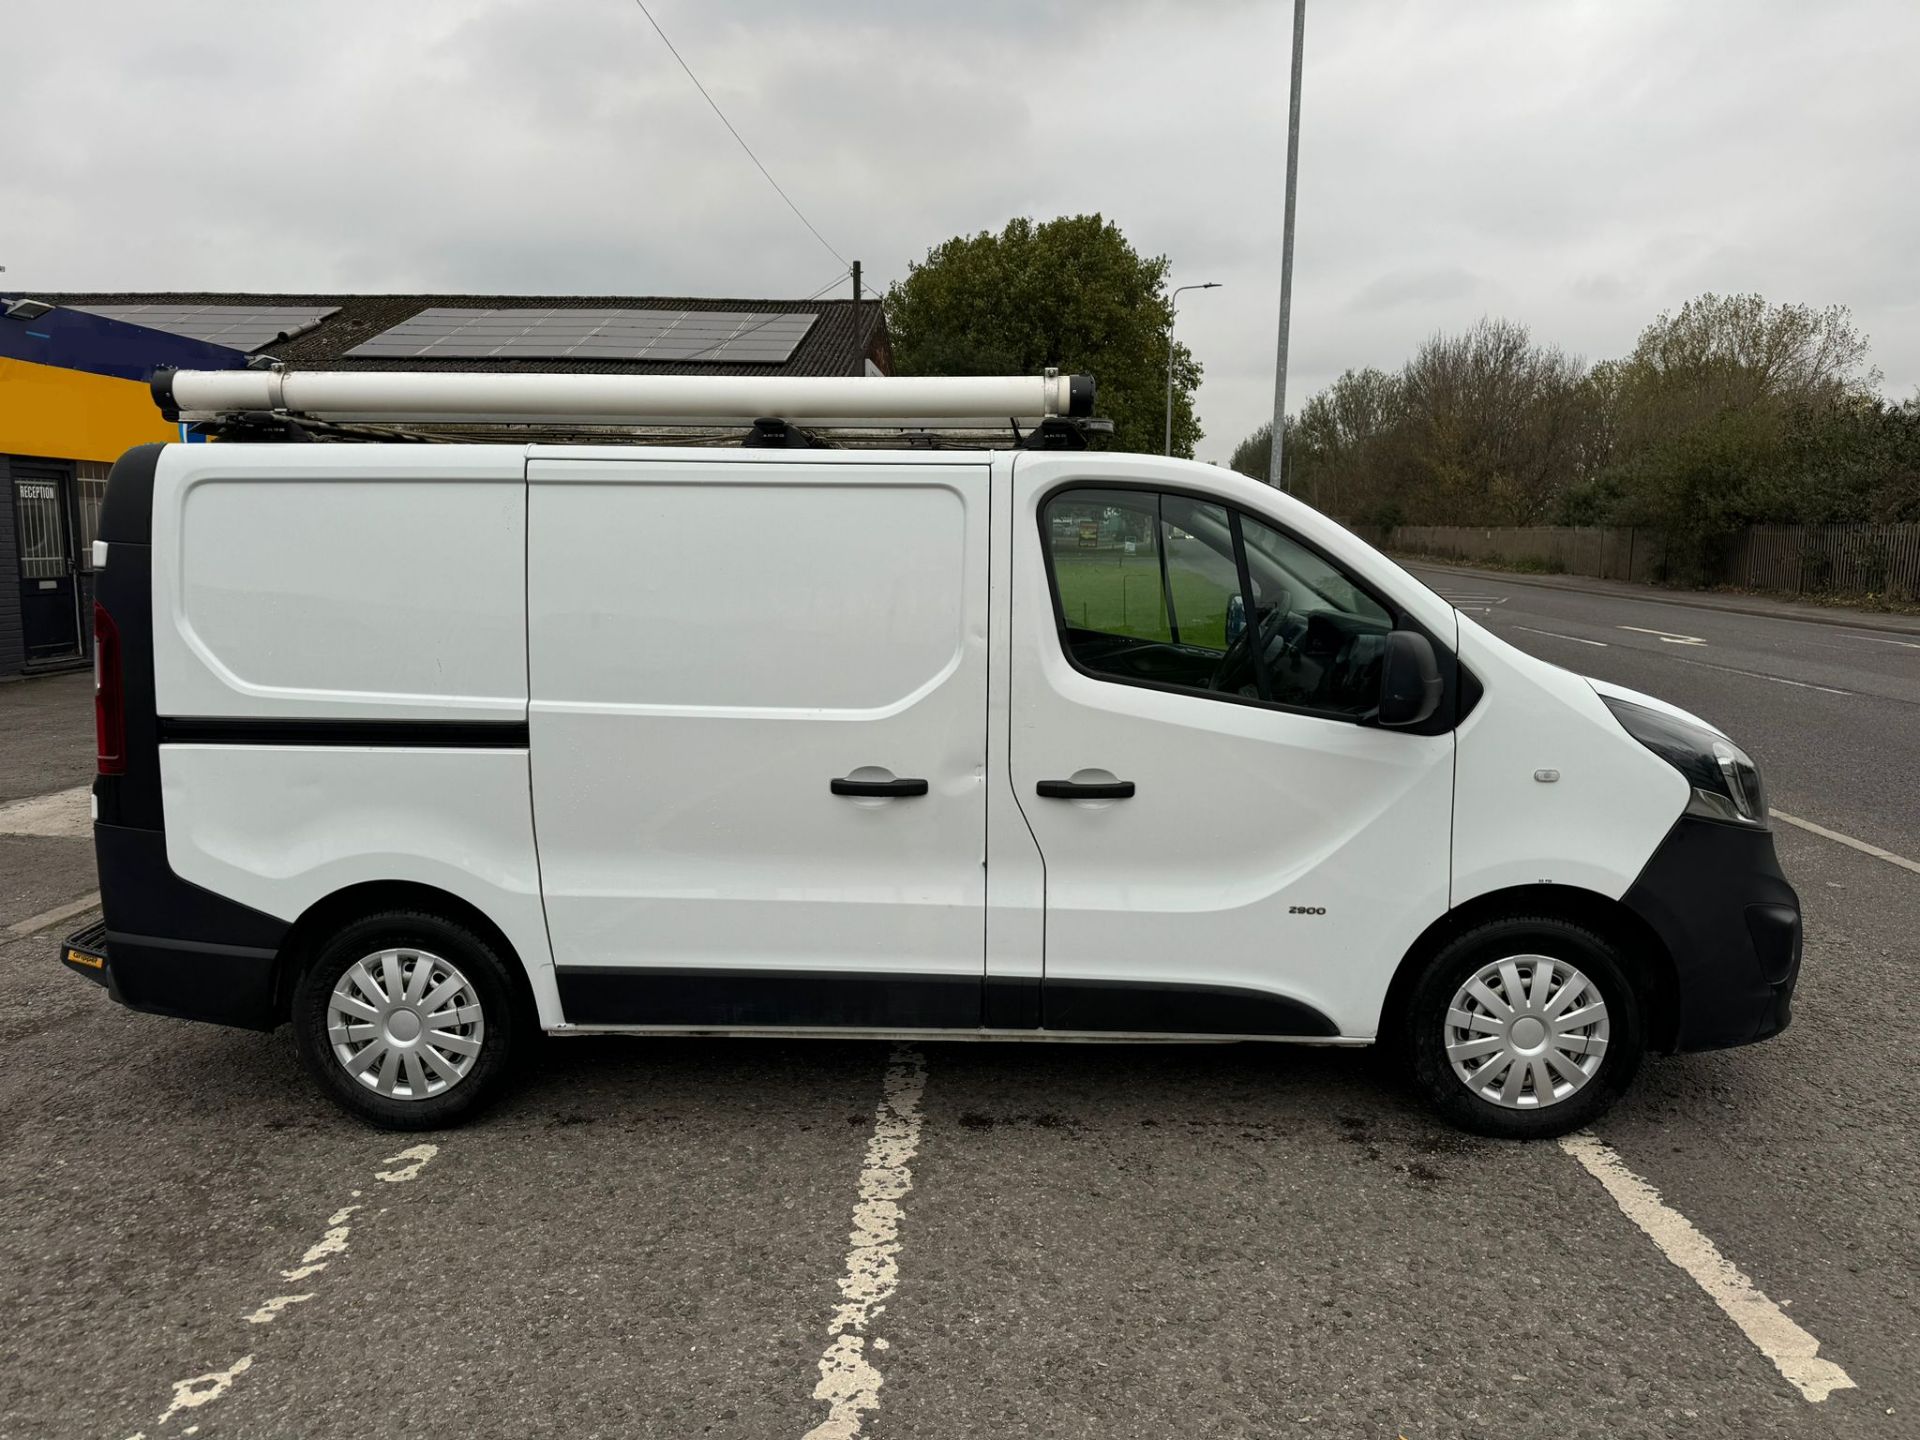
[844, 336]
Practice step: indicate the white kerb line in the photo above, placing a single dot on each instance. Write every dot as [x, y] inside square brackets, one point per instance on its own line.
[849, 1381]
[1794, 1353]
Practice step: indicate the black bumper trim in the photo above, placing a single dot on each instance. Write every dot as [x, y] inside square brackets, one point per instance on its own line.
[1729, 920]
[193, 980]
[174, 948]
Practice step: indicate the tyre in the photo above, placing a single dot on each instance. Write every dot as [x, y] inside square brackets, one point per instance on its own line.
[1523, 1028]
[409, 1020]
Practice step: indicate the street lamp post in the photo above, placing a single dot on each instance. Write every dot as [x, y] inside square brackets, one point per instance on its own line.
[1276, 460]
[1173, 311]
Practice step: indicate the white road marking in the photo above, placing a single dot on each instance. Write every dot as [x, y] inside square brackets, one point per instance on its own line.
[1862, 846]
[1884, 640]
[1794, 1353]
[204, 1389]
[1759, 675]
[849, 1383]
[270, 1312]
[418, 1154]
[54, 916]
[1797, 684]
[1667, 637]
[1558, 636]
[200, 1390]
[66, 814]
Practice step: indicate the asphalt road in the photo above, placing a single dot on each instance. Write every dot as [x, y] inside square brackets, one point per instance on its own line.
[647, 1239]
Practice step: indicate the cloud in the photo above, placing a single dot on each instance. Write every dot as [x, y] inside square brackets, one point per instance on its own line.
[1415, 287]
[1577, 166]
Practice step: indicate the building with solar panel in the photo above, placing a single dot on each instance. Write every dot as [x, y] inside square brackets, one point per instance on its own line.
[74, 370]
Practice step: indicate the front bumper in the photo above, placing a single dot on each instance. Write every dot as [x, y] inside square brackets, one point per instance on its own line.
[1715, 896]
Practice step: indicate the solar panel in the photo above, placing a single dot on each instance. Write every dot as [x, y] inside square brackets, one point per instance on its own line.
[240, 327]
[708, 337]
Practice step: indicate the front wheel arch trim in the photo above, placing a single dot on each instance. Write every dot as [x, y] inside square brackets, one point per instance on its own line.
[1649, 965]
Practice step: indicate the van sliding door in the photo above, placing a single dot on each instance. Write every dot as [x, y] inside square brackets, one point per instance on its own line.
[758, 714]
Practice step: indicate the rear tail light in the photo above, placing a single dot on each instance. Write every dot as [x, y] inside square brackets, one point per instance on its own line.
[109, 697]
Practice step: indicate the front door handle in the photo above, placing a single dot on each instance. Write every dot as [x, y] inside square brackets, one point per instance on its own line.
[1085, 790]
[877, 787]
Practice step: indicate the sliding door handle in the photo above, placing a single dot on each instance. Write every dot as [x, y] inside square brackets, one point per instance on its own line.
[1085, 790]
[877, 787]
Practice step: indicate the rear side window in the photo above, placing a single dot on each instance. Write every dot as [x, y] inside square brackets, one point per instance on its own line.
[1177, 592]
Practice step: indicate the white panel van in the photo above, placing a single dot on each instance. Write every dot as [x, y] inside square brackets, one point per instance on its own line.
[425, 749]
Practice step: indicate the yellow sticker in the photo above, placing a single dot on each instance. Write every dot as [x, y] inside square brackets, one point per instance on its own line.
[92, 962]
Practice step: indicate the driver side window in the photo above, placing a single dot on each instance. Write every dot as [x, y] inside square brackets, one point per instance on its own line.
[1152, 589]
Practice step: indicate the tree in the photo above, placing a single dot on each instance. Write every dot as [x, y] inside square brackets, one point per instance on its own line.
[1708, 408]
[1721, 352]
[1495, 423]
[1729, 411]
[1253, 456]
[1070, 293]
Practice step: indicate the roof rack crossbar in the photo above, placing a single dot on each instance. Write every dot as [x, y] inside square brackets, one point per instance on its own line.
[394, 396]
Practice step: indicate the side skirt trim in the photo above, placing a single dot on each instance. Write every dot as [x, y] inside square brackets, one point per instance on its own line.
[725, 999]
[982, 1034]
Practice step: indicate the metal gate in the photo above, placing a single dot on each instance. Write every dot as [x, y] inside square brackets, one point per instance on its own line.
[49, 611]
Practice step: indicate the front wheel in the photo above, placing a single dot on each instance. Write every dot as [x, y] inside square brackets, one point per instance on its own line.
[1524, 1028]
[408, 1020]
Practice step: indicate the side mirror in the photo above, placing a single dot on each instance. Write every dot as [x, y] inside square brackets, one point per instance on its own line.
[1409, 680]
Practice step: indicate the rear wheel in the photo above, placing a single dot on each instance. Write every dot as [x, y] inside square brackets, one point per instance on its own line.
[1524, 1028]
[408, 1020]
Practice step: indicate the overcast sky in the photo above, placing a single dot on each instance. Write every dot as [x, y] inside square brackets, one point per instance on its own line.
[1575, 166]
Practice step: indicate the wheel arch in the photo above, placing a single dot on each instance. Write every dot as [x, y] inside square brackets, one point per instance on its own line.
[330, 913]
[1649, 964]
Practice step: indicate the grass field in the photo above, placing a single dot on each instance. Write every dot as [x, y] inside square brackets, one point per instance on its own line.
[1119, 594]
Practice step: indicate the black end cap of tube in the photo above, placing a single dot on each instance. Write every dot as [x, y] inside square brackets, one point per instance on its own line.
[1079, 395]
[162, 388]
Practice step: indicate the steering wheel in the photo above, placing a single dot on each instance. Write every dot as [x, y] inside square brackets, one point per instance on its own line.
[1239, 654]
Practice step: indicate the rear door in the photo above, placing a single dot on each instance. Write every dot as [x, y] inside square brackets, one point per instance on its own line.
[1227, 850]
[758, 724]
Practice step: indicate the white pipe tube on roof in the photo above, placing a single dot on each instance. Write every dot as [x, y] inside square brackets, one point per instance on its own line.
[394, 395]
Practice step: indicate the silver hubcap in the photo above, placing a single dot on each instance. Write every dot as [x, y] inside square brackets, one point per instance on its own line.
[1526, 1032]
[405, 1024]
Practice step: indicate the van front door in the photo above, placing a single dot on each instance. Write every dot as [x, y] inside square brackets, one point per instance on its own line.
[1229, 847]
[758, 716]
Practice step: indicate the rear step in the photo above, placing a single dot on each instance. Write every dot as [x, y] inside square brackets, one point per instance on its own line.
[86, 951]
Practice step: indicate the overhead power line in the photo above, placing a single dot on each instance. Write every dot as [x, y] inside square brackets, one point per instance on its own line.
[702, 354]
[736, 134]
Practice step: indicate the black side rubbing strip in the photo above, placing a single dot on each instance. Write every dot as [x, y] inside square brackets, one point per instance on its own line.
[1163, 1008]
[594, 995]
[401, 734]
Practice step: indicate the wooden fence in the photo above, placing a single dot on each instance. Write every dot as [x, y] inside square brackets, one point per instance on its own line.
[1792, 559]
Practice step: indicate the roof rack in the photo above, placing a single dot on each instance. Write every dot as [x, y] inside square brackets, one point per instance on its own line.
[395, 397]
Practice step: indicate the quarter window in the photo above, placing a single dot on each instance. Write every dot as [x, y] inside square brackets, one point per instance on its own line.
[1154, 589]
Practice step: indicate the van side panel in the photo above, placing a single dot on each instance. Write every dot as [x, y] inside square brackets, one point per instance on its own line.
[1594, 826]
[338, 645]
[323, 581]
[281, 828]
[715, 641]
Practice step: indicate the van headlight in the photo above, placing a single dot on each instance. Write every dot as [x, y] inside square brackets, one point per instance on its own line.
[1726, 782]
